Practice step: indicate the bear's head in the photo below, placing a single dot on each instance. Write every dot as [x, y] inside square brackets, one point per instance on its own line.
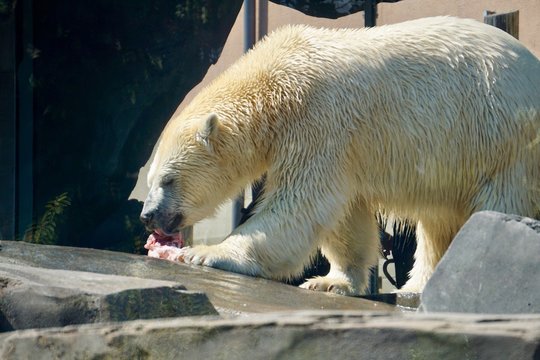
[190, 176]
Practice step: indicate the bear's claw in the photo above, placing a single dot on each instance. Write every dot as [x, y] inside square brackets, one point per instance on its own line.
[189, 256]
[333, 285]
[219, 257]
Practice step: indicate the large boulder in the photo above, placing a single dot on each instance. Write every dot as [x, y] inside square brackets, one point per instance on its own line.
[491, 267]
[36, 298]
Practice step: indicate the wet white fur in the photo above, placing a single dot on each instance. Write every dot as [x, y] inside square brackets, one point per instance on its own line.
[430, 120]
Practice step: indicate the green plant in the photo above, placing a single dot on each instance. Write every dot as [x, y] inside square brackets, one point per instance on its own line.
[44, 231]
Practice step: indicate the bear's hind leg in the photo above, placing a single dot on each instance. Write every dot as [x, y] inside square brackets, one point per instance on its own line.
[433, 236]
[352, 248]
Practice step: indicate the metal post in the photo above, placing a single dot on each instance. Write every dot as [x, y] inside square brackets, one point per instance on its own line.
[256, 189]
[508, 22]
[249, 24]
[370, 20]
[249, 40]
[370, 13]
[263, 19]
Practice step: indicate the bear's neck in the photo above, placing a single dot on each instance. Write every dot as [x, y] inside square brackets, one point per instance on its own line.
[255, 109]
[255, 120]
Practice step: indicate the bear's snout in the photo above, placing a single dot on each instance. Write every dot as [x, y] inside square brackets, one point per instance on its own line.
[147, 217]
[169, 224]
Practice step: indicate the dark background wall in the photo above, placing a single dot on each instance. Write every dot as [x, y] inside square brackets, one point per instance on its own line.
[104, 77]
[7, 123]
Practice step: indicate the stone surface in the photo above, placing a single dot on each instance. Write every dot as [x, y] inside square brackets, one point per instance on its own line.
[229, 293]
[249, 326]
[298, 335]
[33, 297]
[491, 267]
[406, 301]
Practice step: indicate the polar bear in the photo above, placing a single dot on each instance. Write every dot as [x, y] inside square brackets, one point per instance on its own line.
[430, 120]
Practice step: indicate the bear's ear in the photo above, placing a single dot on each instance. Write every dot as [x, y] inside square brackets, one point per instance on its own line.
[209, 130]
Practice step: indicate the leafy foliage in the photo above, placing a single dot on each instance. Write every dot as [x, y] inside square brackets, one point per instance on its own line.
[44, 231]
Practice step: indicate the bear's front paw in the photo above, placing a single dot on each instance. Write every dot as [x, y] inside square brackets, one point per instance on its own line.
[217, 256]
[199, 255]
[328, 284]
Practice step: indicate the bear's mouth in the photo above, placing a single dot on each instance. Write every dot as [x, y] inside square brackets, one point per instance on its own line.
[159, 238]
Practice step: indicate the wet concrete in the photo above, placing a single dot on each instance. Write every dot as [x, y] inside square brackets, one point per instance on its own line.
[231, 294]
[406, 301]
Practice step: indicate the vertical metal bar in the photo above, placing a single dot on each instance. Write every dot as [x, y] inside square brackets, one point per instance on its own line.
[508, 22]
[257, 188]
[370, 13]
[249, 24]
[374, 280]
[370, 20]
[263, 19]
[249, 40]
[25, 129]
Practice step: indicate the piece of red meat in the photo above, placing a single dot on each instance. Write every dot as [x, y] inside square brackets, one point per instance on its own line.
[163, 246]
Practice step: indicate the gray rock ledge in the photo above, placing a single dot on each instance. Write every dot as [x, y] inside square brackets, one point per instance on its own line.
[297, 335]
[229, 293]
[33, 297]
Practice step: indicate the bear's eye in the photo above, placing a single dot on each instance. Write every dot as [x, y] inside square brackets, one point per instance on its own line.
[167, 181]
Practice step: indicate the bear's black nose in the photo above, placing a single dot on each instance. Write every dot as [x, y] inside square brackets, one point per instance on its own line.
[146, 217]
